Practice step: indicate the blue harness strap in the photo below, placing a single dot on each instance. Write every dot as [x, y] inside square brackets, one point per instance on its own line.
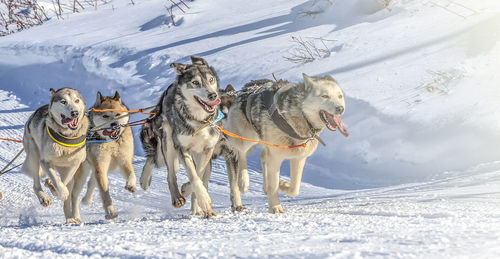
[220, 116]
[100, 141]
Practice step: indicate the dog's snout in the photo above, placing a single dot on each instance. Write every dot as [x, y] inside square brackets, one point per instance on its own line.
[339, 109]
[212, 96]
[75, 114]
[114, 124]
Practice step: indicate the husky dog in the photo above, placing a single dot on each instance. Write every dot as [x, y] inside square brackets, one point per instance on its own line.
[185, 109]
[113, 150]
[228, 96]
[54, 142]
[286, 114]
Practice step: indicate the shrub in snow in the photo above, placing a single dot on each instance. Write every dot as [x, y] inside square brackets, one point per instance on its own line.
[17, 15]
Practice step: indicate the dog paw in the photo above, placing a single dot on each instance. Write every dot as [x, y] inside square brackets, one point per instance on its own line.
[284, 185]
[87, 200]
[202, 196]
[131, 188]
[286, 188]
[244, 182]
[111, 215]
[63, 193]
[44, 199]
[210, 213]
[71, 221]
[239, 208]
[196, 210]
[48, 183]
[276, 209]
[145, 181]
[186, 189]
[179, 202]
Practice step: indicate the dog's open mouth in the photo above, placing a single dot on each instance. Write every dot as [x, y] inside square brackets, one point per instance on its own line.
[208, 106]
[72, 123]
[113, 134]
[333, 122]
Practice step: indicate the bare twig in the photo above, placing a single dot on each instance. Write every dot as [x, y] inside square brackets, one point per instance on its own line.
[177, 6]
[307, 51]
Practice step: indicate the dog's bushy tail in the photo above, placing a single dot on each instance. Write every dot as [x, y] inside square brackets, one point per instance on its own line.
[151, 132]
[149, 139]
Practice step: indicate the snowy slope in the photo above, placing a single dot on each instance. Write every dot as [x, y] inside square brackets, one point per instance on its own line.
[418, 176]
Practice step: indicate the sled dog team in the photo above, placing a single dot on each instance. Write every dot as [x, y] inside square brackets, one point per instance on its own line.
[187, 126]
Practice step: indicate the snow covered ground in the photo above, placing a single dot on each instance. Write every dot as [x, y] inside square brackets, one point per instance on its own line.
[419, 175]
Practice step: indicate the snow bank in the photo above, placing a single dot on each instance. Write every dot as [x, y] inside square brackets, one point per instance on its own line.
[419, 77]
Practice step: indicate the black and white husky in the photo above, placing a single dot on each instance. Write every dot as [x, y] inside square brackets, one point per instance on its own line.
[179, 131]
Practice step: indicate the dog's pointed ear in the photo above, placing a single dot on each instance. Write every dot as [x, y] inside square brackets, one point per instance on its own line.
[308, 81]
[329, 77]
[98, 99]
[229, 88]
[52, 91]
[117, 96]
[198, 61]
[179, 68]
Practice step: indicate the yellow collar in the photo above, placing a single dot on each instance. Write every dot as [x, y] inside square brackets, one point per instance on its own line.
[65, 141]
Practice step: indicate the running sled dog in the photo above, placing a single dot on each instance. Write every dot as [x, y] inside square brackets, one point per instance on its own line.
[179, 131]
[54, 142]
[112, 149]
[286, 114]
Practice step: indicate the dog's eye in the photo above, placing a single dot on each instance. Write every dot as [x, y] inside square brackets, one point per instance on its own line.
[63, 102]
[195, 82]
[325, 96]
[211, 80]
[117, 115]
[77, 100]
[105, 116]
[340, 96]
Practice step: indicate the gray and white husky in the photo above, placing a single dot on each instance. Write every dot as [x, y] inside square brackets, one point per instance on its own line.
[286, 114]
[185, 108]
[54, 142]
[228, 96]
[113, 151]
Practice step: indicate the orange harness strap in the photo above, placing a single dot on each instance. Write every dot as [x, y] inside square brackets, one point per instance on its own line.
[15, 140]
[258, 141]
[118, 110]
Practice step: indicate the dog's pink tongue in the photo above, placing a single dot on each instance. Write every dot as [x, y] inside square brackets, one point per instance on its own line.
[340, 125]
[214, 102]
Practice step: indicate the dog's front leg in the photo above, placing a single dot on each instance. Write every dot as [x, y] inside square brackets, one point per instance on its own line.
[292, 188]
[79, 181]
[62, 191]
[172, 167]
[204, 173]
[89, 194]
[101, 174]
[127, 170]
[271, 167]
[69, 206]
[202, 197]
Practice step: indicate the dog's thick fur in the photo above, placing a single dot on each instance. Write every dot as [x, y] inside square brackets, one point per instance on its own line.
[186, 106]
[103, 158]
[301, 105]
[45, 156]
[228, 96]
